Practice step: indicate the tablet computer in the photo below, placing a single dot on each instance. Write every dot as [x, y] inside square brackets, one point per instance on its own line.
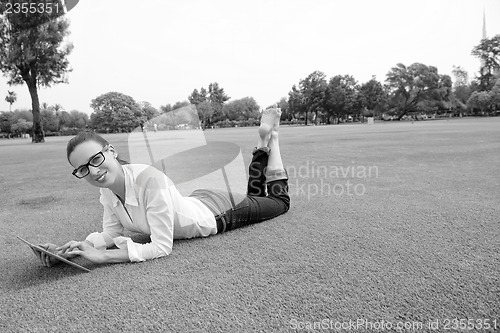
[36, 248]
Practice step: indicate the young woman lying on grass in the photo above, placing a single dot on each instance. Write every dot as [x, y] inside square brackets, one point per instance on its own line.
[141, 198]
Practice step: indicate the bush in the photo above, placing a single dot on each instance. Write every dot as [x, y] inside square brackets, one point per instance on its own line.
[236, 123]
[65, 132]
[50, 133]
[70, 131]
[293, 122]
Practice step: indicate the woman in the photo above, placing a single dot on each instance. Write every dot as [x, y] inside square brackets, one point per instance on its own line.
[141, 198]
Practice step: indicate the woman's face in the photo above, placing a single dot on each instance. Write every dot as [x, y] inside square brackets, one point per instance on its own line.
[103, 175]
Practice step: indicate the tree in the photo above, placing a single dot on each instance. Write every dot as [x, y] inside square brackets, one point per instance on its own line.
[44, 106]
[148, 111]
[165, 108]
[31, 52]
[341, 96]
[488, 51]
[49, 119]
[77, 119]
[57, 109]
[296, 102]
[462, 95]
[179, 105]
[22, 114]
[115, 112]
[443, 95]
[21, 127]
[286, 113]
[11, 98]
[241, 109]
[63, 120]
[480, 100]
[495, 94]
[217, 98]
[5, 121]
[461, 87]
[203, 107]
[205, 112]
[198, 97]
[313, 90]
[372, 96]
[461, 76]
[411, 85]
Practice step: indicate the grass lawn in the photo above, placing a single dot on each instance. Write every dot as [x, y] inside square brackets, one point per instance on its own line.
[390, 223]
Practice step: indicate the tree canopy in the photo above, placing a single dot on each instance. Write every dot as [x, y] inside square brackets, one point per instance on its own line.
[480, 100]
[342, 95]
[296, 102]
[242, 109]
[410, 85]
[198, 97]
[11, 98]
[461, 87]
[313, 91]
[372, 96]
[116, 112]
[217, 98]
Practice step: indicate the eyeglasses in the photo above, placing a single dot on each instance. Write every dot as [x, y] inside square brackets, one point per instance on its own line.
[95, 161]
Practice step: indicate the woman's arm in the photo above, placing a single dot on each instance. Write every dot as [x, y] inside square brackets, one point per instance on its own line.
[159, 215]
[111, 224]
[86, 250]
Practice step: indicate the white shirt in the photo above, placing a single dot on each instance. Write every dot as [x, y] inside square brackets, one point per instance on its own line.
[153, 206]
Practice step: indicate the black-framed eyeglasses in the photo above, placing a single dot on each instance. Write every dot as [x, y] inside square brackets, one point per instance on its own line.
[95, 161]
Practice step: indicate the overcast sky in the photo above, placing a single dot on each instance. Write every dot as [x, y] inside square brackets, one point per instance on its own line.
[160, 50]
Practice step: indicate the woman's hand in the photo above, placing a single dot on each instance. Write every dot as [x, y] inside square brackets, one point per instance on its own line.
[84, 249]
[68, 247]
[47, 260]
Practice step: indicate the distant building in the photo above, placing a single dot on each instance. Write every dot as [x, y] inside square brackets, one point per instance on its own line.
[481, 68]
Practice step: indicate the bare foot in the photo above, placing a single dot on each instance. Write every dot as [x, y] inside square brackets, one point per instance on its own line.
[277, 120]
[268, 121]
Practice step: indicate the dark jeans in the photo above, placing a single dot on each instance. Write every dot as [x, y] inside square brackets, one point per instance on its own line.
[234, 210]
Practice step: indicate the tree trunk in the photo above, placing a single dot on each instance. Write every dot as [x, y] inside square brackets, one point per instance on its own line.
[37, 134]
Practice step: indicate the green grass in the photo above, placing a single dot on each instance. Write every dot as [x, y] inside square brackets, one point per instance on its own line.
[420, 243]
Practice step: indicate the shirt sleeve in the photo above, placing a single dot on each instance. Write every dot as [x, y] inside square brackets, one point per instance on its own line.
[160, 218]
[111, 226]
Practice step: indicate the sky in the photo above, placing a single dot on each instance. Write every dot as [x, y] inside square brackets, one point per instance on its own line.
[159, 51]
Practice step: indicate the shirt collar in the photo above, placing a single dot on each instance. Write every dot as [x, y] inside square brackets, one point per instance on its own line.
[130, 198]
